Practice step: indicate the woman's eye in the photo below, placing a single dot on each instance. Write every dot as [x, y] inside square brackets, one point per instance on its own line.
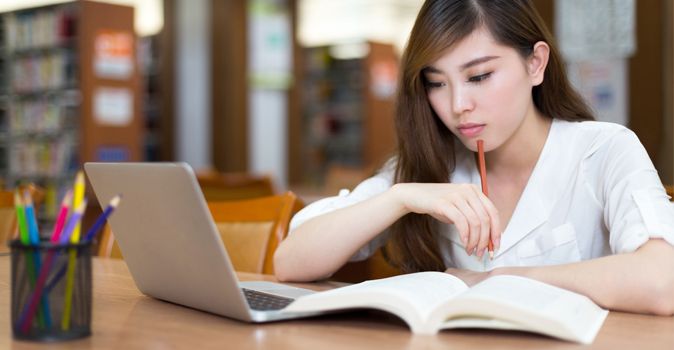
[479, 78]
[434, 84]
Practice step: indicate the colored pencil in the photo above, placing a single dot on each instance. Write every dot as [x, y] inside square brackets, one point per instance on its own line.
[112, 205]
[73, 221]
[21, 218]
[28, 313]
[25, 240]
[70, 229]
[31, 219]
[33, 260]
[78, 196]
[61, 218]
[483, 180]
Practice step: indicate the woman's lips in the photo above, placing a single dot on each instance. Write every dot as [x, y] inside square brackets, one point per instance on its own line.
[471, 130]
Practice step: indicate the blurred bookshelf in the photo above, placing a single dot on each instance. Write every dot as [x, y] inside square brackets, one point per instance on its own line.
[347, 111]
[57, 90]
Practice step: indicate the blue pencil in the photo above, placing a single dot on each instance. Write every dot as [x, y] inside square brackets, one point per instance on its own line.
[33, 231]
[112, 205]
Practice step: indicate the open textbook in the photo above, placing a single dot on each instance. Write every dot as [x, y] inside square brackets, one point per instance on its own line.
[432, 301]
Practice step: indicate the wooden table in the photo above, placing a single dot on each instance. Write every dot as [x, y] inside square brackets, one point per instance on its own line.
[125, 319]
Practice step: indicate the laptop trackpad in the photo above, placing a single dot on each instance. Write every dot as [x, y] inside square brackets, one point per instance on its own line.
[276, 288]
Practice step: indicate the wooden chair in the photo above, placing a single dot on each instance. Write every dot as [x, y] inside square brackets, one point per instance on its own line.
[7, 218]
[218, 186]
[250, 229]
[670, 191]
[107, 245]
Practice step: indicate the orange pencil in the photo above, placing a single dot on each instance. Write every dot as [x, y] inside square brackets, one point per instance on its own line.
[483, 181]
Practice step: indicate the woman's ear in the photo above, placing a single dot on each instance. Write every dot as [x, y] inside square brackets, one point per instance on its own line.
[537, 62]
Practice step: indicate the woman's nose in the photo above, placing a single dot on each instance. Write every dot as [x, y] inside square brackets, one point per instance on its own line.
[461, 101]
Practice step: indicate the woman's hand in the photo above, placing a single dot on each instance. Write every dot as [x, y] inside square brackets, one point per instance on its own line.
[471, 278]
[463, 205]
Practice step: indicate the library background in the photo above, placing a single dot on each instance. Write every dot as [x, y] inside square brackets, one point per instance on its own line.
[298, 91]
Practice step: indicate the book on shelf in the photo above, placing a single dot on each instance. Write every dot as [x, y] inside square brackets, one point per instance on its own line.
[45, 27]
[53, 158]
[49, 71]
[41, 115]
[433, 301]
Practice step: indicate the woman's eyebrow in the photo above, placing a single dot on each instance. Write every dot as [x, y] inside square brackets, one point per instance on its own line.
[431, 69]
[477, 61]
[474, 62]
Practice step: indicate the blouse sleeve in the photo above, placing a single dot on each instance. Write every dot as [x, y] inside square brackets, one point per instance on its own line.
[637, 207]
[365, 190]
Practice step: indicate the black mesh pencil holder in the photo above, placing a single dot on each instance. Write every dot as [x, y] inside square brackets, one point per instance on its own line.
[51, 291]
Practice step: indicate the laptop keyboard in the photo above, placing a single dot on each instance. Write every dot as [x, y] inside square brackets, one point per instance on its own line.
[264, 301]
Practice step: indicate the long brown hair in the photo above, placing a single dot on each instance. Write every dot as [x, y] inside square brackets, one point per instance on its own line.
[425, 144]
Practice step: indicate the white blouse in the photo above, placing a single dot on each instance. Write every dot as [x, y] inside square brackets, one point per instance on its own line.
[593, 192]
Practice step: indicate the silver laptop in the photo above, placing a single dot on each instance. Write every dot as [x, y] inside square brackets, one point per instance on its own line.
[172, 246]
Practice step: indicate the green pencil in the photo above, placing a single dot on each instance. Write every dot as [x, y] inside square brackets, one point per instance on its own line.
[21, 218]
[25, 240]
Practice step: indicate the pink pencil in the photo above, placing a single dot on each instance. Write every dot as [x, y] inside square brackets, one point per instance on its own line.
[61, 219]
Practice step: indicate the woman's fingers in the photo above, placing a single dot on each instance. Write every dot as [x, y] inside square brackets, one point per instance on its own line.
[485, 224]
[456, 217]
[474, 224]
[494, 218]
[464, 205]
[482, 218]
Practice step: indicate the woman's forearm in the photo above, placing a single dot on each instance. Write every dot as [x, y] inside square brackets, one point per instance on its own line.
[641, 282]
[318, 247]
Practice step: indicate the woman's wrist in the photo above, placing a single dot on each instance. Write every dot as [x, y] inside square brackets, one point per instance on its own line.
[397, 194]
[523, 271]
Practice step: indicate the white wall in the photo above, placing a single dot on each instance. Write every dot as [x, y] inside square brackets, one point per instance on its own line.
[326, 22]
[267, 134]
[193, 83]
[270, 62]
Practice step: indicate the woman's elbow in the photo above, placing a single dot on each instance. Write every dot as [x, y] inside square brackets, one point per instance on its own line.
[660, 283]
[663, 301]
[288, 269]
[282, 271]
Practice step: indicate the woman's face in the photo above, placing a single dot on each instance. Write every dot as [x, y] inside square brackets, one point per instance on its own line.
[481, 89]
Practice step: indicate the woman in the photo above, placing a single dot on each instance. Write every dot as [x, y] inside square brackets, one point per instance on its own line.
[572, 202]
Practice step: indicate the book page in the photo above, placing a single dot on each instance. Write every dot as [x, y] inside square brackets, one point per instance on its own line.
[531, 305]
[412, 297]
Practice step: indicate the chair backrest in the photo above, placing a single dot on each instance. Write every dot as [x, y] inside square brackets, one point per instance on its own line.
[107, 245]
[7, 218]
[218, 186]
[250, 229]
